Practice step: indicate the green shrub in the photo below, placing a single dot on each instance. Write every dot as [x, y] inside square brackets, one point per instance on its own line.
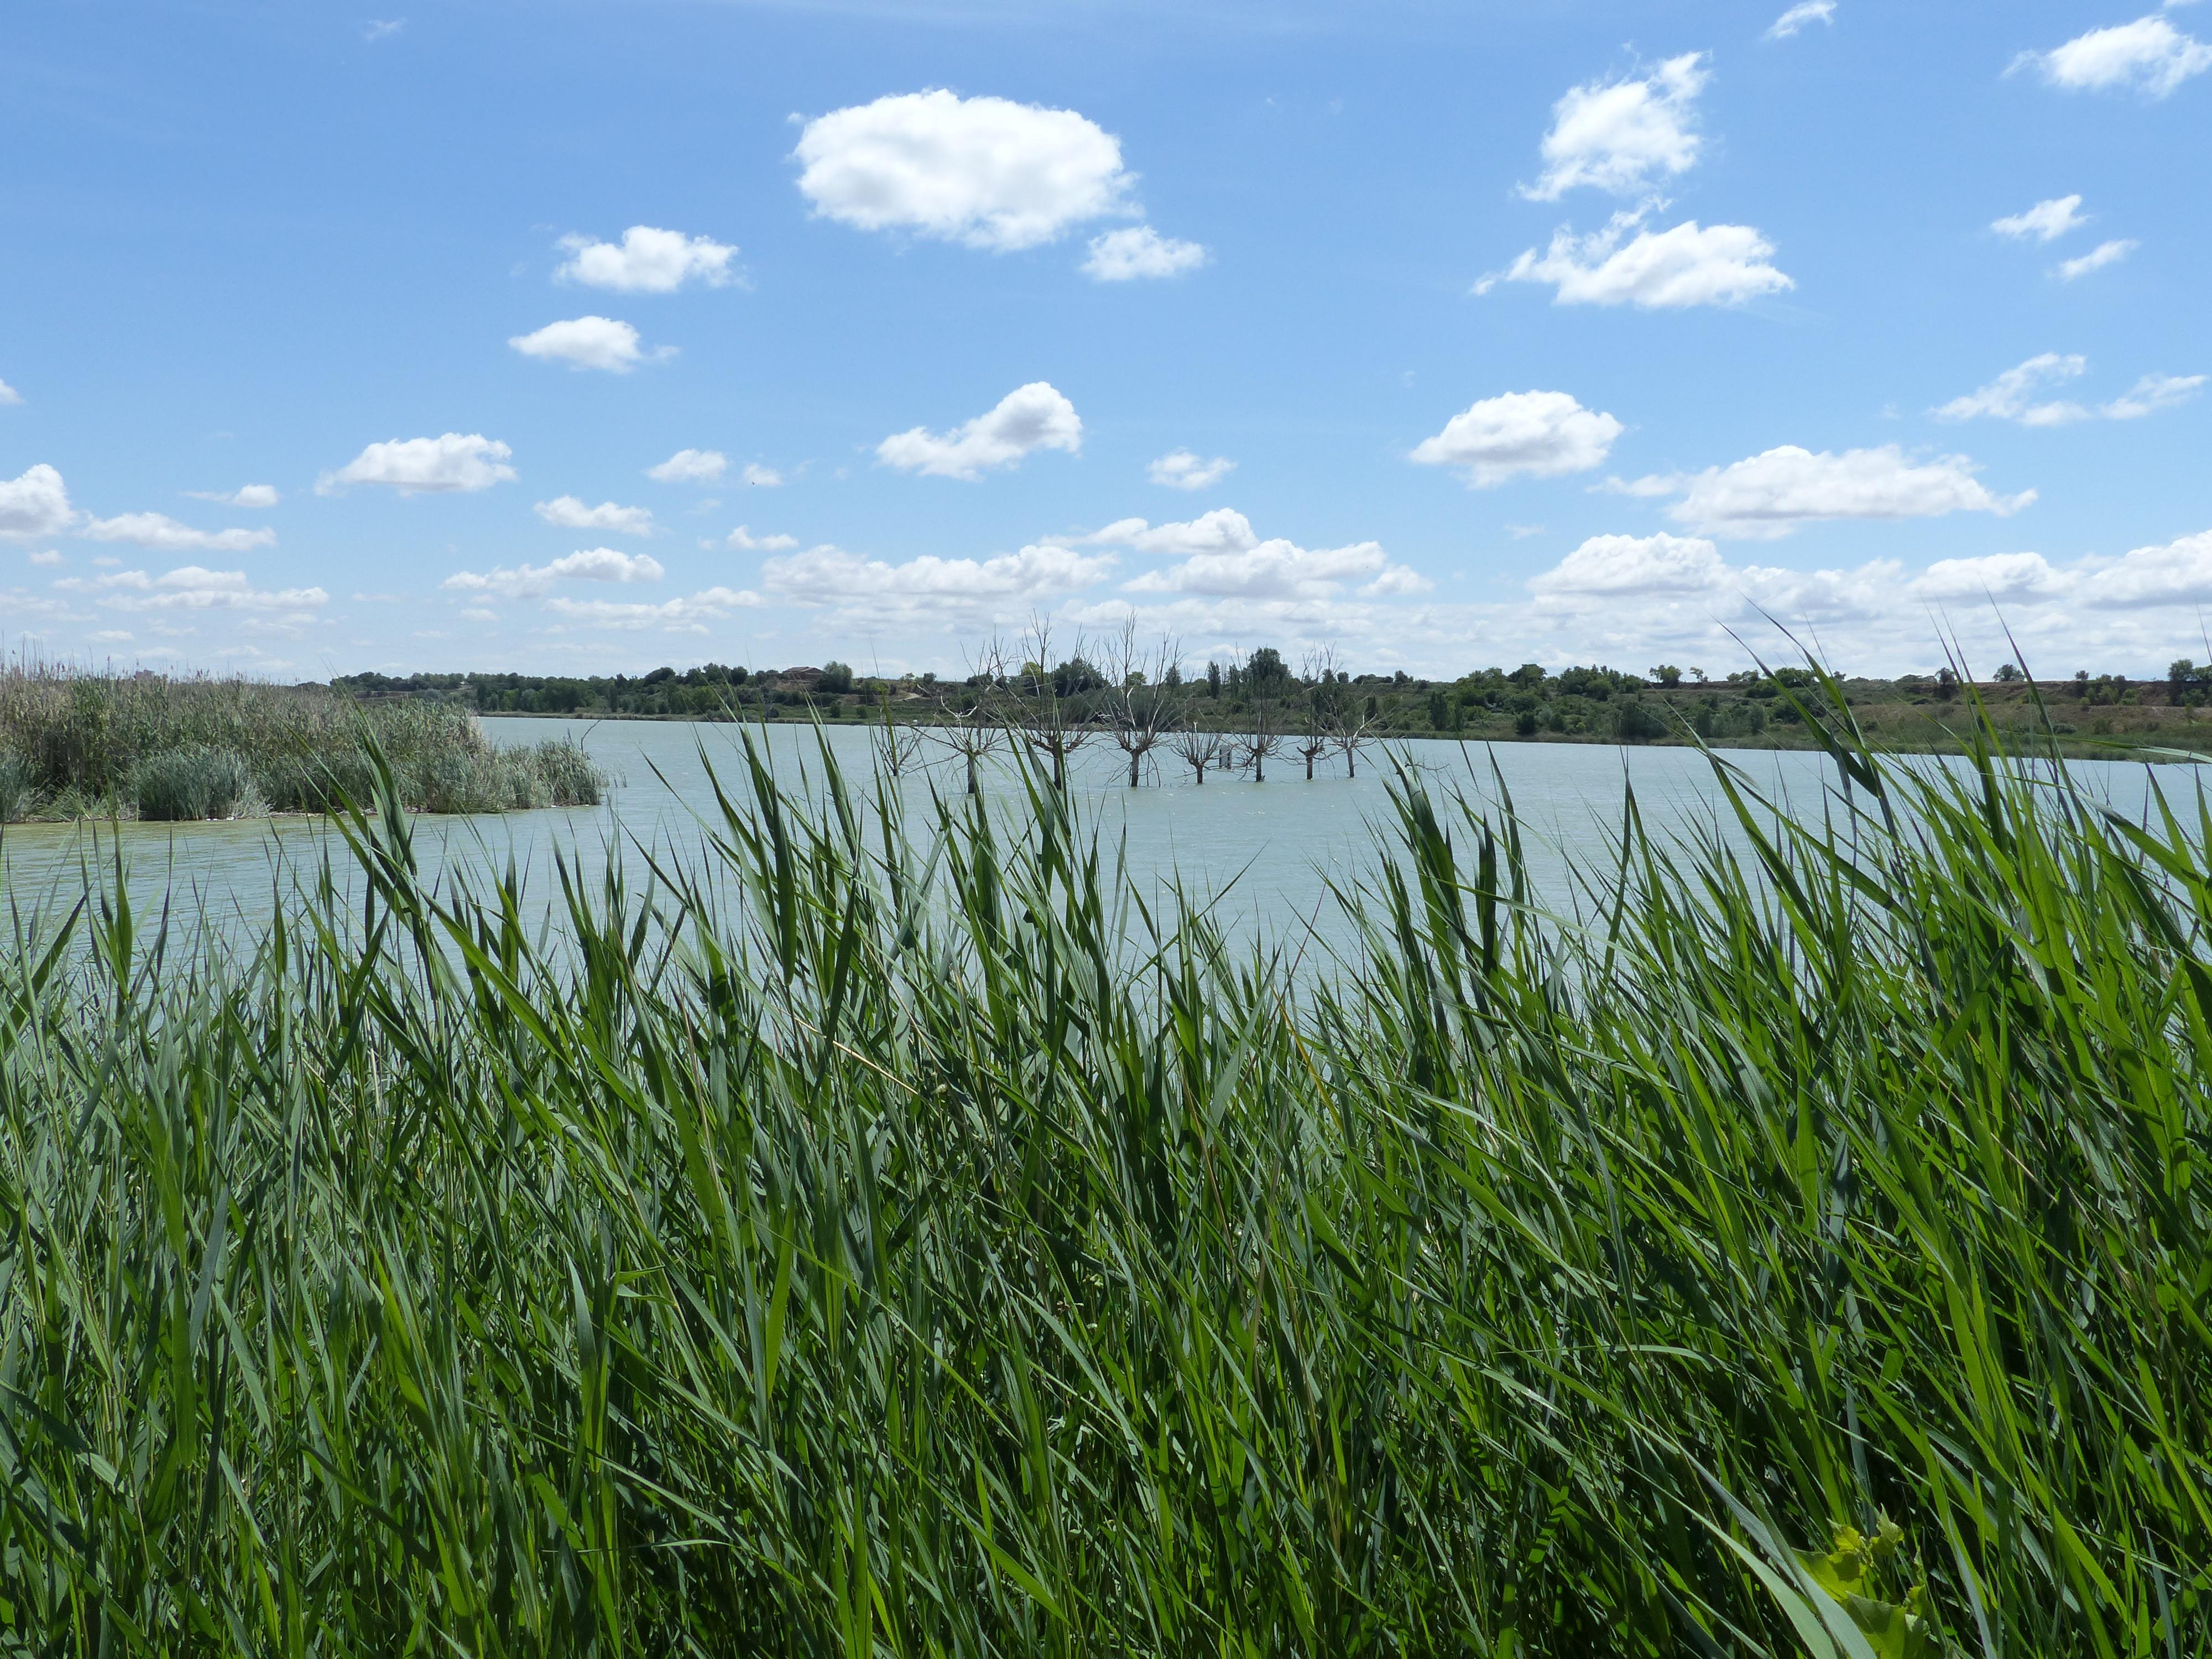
[197, 782]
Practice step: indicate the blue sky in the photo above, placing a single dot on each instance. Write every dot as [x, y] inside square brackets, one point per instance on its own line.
[1442, 334]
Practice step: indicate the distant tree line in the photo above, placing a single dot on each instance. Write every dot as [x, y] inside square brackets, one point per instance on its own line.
[1239, 712]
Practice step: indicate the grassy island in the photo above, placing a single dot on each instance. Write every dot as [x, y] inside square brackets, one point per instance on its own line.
[884, 1238]
[143, 745]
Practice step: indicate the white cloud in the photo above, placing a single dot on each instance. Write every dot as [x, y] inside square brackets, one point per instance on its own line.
[8, 395]
[1770, 495]
[456, 461]
[866, 590]
[601, 342]
[1688, 266]
[2149, 55]
[985, 172]
[1521, 435]
[51, 556]
[1224, 530]
[1806, 11]
[1623, 135]
[244, 495]
[2105, 253]
[1624, 566]
[688, 614]
[189, 587]
[1180, 469]
[163, 533]
[2010, 397]
[479, 613]
[2046, 222]
[571, 513]
[646, 261]
[591, 564]
[2151, 394]
[1030, 417]
[690, 466]
[35, 503]
[381, 29]
[1121, 256]
[759, 476]
[1222, 557]
[742, 540]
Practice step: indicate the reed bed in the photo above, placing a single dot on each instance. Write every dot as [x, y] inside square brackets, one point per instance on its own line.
[877, 1237]
[79, 745]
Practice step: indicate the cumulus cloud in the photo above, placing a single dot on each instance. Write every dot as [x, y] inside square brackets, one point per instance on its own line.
[1623, 135]
[1625, 566]
[191, 588]
[2149, 55]
[1030, 417]
[591, 564]
[1521, 435]
[601, 342]
[690, 466]
[1222, 557]
[35, 503]
[1805, 12]
[571, 513]
[2105, 253]
[1688, 266]
[455, 462]
[50, 557]
[8, 395]
[1771, 494]
[1180, 469]
[2046, 222]
[164, 534]
[1671, 593]
[760, 477]
[984, 172]
[255, 496]
[2012, 395]
[688, 614]
[742, 540]
[999, 588]
[1224, 530]
[646, 261]
[1121, 256]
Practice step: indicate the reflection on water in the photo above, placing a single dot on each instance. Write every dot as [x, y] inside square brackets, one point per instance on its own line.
[1267, 851]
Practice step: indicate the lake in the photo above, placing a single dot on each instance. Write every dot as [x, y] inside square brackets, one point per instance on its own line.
[1264, 851]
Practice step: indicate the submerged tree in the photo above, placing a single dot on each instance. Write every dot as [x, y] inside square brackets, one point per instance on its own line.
[984, 724]
[1265, 679]
[1141, 702]
[1055, 702]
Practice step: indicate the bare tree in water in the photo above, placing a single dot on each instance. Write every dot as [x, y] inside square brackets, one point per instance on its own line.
[897, 745]
[974, 731]
[1351, 726]
[1199, 750]
[1140, 702]
[1266, 679]
[1055, 698]
[1322, 692]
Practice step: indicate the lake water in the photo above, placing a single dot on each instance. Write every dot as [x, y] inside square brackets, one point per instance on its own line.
[1264, 851]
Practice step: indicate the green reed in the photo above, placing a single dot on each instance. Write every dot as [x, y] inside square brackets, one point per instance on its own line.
[881, 1236]
[75, 744]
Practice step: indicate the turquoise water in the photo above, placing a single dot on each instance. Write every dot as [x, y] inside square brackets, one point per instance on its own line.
[1264, 853]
